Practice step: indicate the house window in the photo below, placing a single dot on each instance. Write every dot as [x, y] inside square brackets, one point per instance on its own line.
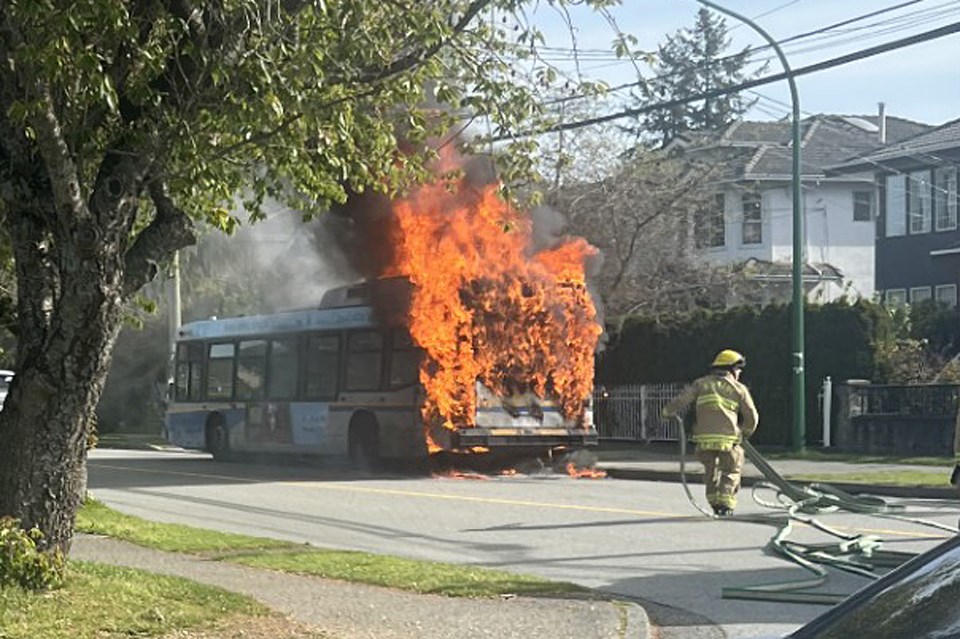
[711, 224]
[920, 294]
[895, 211]
[947, 294]
[896, 297]
[752, 218]
[920, 204]
[945, 198]
[862, 206]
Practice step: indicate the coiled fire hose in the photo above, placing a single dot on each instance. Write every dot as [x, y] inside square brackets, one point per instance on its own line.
[854, 553]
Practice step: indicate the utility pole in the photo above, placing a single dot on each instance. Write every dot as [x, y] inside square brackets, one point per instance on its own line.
[175, 317]
[798, 430]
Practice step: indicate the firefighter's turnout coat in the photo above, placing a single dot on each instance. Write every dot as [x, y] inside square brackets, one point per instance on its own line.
[725, 411]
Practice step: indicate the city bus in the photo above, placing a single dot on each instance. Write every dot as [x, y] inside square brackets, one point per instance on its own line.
[339, 380]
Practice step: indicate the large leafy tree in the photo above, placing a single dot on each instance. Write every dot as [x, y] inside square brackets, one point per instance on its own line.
[125, 123]
[693, 61]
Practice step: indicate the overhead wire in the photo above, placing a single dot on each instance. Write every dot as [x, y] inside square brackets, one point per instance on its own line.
[822, 32]
[806, 70]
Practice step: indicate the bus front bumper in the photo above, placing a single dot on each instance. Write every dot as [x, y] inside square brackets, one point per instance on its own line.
[526, 437]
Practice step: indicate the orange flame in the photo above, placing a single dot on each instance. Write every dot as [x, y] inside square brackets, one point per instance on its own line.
[485, 307]
[590, 473]
[457, 474]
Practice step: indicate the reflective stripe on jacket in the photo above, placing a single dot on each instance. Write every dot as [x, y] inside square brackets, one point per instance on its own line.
[725, 410]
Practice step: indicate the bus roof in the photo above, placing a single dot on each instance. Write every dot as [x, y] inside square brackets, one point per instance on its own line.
[284, 322]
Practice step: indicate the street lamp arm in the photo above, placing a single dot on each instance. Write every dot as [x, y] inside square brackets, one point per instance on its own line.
[799, 394]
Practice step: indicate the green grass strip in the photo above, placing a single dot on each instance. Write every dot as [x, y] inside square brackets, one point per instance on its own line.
[854, 458]
[453, 580]
[97, 519]
[103, 602]
[425, 577]
[881, 478]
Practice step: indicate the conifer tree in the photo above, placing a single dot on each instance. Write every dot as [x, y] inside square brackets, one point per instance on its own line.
[690, 62]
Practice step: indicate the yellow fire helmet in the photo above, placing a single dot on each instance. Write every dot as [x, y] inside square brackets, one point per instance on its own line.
[728, 359]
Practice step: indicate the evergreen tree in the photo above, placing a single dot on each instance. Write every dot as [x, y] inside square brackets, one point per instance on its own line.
[690, 62]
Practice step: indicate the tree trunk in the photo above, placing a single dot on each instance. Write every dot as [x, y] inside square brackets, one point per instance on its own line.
[48, 415]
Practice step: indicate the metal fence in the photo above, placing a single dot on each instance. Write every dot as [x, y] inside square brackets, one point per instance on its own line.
[928, 400]
[632, 412]
[895, 419]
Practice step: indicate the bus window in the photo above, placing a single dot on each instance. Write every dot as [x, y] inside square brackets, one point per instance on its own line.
[284, 366]
[404, 360]
[364, 361]
[189, 372]
[322, 367]
[251, 369]
[220, 371]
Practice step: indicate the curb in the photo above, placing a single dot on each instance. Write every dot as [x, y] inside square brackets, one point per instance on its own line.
[635, 622]
[903, 492]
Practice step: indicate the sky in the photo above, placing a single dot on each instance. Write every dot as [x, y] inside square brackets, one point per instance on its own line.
[920, 82]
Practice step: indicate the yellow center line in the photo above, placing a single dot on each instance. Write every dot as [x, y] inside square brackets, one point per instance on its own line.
[313, 485]
[490, 500]
[404, 493]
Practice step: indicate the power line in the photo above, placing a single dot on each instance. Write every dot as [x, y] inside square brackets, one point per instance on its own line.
[926, 36]
[823, 32]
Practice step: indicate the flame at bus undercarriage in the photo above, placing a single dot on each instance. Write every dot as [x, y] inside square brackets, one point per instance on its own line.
[485, 307]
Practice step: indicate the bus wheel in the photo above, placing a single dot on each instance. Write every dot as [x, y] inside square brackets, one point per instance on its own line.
[218, 439]
[364, 444]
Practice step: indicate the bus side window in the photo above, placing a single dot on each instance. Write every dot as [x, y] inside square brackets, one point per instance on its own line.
[251, 369]
[364, 361]
[220, 371]
[404, 360]
[322, 368]
[189, 372]
[284, 368]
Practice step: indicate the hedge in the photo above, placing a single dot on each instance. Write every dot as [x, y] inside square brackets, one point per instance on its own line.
[840, 342]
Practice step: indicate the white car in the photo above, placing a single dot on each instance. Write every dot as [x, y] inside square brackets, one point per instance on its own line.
[6, 377]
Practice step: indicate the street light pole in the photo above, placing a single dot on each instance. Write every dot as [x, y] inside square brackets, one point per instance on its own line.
[798, 432]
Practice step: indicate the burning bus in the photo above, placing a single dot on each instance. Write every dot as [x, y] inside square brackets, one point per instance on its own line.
[471, 340]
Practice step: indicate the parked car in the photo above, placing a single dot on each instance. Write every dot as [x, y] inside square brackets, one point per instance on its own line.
[916, 600]
[5, 378]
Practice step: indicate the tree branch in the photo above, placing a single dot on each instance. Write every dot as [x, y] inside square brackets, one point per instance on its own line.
[415, 58]
[170, 230]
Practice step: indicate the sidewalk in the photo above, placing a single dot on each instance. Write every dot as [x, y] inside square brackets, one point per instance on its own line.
[661, 462]
[357, 611]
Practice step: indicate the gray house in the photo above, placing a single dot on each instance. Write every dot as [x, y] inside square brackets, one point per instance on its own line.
[918, 242]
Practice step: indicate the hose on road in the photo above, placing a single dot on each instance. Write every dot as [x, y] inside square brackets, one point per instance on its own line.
[797, 503]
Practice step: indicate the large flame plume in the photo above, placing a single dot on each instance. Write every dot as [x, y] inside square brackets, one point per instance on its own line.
[486, 307]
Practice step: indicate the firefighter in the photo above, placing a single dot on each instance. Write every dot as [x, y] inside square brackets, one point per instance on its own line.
[725, 415]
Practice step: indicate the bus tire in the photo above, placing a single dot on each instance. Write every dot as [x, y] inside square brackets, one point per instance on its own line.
[218, 438]
[363, 442]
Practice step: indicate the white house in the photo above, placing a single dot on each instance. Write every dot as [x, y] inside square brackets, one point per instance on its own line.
[750, 226]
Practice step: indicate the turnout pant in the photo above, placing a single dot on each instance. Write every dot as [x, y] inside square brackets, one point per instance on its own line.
[722, 475]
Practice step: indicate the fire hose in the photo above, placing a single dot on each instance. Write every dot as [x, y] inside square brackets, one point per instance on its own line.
[854, 553]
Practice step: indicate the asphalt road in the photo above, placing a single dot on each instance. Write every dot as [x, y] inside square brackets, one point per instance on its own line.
[632, 538]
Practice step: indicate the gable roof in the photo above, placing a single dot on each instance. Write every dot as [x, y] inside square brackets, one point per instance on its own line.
[936, 139]
[763, 150]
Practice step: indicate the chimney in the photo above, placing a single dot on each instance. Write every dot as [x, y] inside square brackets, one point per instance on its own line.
[883, 122]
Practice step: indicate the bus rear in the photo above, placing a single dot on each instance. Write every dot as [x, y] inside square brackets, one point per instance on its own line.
[515, 425]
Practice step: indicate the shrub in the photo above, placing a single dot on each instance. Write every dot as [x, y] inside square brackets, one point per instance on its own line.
[22, 563]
